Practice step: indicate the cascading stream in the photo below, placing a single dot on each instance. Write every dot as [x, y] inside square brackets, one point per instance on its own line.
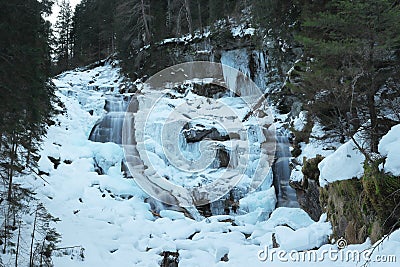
[109, 127]
[286, 195]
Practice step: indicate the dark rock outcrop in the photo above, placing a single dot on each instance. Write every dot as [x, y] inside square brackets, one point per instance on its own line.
[198, 132]
[170, 259]
[308, 197]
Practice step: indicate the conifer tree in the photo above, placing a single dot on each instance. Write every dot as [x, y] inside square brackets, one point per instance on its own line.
[350, 55]
[64, 41]
[27, 96]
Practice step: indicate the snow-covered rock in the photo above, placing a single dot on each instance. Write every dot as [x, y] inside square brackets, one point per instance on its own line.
[345, 163]
[310, 237]
[389, 146]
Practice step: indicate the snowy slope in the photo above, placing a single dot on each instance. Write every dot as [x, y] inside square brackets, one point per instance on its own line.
[107, 214]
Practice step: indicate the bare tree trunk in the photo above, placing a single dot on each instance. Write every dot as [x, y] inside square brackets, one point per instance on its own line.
[169, 16]
[98, 45]
[371, 97]
[199, 11]
[178, 23]
[41, 254]
[188, 16]
[5, 228]
[32, 240]
[146, 26]
[13, 153]
[374, 122]
[17, 251]
[28, 155]
[112, 43]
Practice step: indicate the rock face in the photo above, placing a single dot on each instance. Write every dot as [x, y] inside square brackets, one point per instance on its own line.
[198, 132]
[259, 56]
[342, 202]
[308, 190]
[308, 197]
[170, 259]
[365, 207]
[209, 90]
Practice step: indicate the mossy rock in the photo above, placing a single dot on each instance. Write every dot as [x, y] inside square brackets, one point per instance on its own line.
[303, 135]
[383, 191]
[342, 200]
[368, 207]
[310, 168]
[296, 151]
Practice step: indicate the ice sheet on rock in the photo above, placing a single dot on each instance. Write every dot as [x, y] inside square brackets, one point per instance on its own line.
[174, 112]
[106, 155]
[261, 199]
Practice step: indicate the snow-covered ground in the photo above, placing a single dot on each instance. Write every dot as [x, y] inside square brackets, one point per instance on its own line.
[108, 216]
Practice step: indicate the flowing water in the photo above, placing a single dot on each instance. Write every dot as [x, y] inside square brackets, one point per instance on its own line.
[286, 195]
[109, 127]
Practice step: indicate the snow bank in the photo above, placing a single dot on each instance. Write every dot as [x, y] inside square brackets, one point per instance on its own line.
[294, 218]
[389, 146]
[345, 163]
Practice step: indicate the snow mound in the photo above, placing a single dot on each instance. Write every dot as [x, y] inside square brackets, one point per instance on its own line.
[300, 121]
[345, 163]
[294, 218]
[310, 237]
[389, 146]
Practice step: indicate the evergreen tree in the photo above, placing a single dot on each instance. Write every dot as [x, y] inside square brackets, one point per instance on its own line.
[64, 42]
[134, 21]
[93, 30]
[44, 237]
[350, 55]
[27, 95]
[24, 72]
[26, 110]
